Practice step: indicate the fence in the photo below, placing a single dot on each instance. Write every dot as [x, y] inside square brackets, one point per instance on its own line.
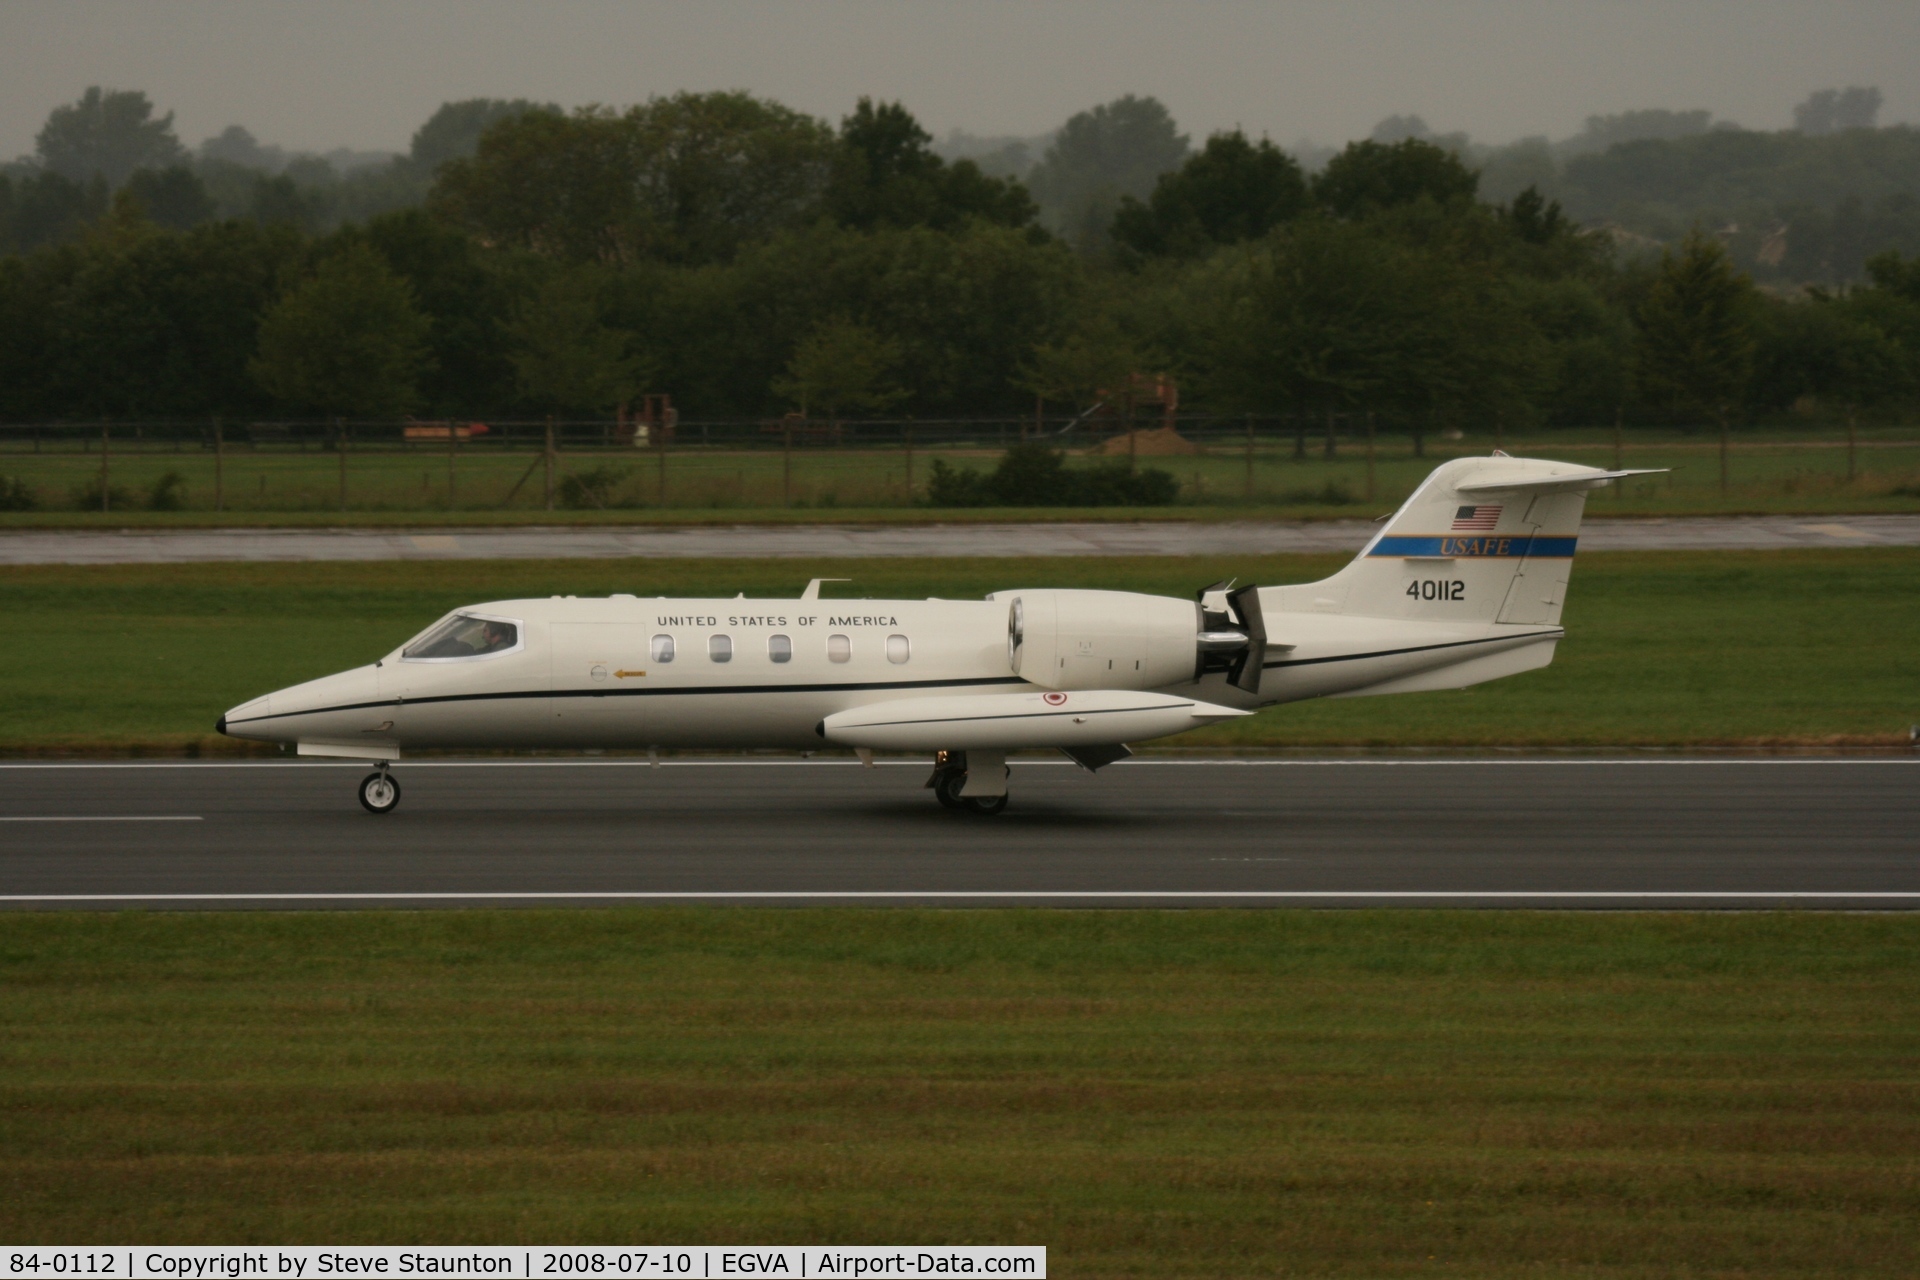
[1298, 460]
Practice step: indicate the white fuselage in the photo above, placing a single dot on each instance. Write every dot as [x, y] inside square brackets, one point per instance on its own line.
[586, 673]
[1465, 584]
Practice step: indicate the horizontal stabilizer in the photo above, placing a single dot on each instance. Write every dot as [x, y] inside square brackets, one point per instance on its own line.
[1583, 478]
[999, 721]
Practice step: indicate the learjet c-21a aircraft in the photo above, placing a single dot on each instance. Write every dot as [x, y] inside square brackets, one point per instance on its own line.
[1463, 585]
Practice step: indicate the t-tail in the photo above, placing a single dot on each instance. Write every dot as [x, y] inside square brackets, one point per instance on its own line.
[1488, 539]
[1465, 583]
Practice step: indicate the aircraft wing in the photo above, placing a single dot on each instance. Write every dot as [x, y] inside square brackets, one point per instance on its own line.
[1000, 721]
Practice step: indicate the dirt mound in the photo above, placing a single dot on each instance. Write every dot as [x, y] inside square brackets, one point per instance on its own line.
[1161, 442]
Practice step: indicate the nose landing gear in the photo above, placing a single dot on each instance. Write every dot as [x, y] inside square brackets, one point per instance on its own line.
[957, 786]
[380, 791]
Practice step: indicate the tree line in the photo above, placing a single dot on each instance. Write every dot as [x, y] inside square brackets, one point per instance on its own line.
[750, 260]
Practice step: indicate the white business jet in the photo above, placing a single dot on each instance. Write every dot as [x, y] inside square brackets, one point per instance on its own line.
[1463, 585]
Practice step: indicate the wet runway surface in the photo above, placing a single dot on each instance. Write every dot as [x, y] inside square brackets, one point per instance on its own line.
[1660, 832]
[1120, 538]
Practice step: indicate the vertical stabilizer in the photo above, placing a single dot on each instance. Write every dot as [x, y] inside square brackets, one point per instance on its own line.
[1481, 540]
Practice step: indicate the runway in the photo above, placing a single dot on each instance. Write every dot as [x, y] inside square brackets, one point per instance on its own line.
[1660, 832]
[824, 541]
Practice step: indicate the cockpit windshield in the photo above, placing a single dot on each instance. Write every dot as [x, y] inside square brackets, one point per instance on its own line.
[465, 635]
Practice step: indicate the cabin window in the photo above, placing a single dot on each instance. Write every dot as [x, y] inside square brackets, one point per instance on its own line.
[465, 635]
[663, 648]
[780, 648]
[839, 649]
[898, 650]
[720, 648]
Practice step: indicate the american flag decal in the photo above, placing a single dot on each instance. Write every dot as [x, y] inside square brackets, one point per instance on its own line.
[1476, 519]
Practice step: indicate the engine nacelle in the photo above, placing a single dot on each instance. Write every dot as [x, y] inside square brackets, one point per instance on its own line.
[1100, 639]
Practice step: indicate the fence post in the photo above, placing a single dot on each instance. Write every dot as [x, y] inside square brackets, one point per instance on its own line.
[1249, 457]
[219, 470]
[1852, 442]
[547, 461]
[106, 475]
[1723, 448]
[1369, 455]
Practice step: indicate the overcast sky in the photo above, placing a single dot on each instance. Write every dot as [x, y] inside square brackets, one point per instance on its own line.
[319, 74]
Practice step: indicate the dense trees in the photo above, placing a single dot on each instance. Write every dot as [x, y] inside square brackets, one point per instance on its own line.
[1334, 316]
[1233, 190]
[749, 259]
[565, 358]
[1830, 110]
[840, 366]
[43, 208]
[107, 135]
[964, 309]
[683, 179]
[1100, 156]
[172, 198]
[1370, 176]
[453, 132]
[346, 340]
[1695, 343]
[888, 175]
[138, 321]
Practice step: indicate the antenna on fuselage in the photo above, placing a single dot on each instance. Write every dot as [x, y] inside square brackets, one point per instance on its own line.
[813, 588]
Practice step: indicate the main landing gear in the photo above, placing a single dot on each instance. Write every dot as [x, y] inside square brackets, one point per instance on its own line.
[380, 791]
[976, 786]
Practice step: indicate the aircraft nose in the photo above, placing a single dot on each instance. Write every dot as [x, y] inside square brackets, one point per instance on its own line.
[234, 724]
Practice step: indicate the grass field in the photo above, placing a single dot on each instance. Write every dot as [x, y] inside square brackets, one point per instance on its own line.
[1664, 648]
[1146, 1093]
[281, 486]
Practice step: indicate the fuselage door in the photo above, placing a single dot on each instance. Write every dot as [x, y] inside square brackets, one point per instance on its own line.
[600, 670]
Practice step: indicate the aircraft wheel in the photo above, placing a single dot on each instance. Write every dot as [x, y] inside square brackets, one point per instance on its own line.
[946, 788]
[379, 792]
[986, 806]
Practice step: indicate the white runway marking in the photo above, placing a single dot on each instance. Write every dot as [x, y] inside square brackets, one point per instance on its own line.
[161, 817]
[1302, 895]
[1022, 761]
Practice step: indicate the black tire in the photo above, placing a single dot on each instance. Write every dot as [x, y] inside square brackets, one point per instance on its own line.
[985, 806]
[946, 788]
[379, 793]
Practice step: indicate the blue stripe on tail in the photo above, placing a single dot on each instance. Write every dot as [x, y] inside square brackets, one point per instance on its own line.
[1471, 547]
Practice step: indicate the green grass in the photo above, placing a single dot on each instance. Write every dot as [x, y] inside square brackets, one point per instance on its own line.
[1664, 648]
[1146, 1093]
[284, 487]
